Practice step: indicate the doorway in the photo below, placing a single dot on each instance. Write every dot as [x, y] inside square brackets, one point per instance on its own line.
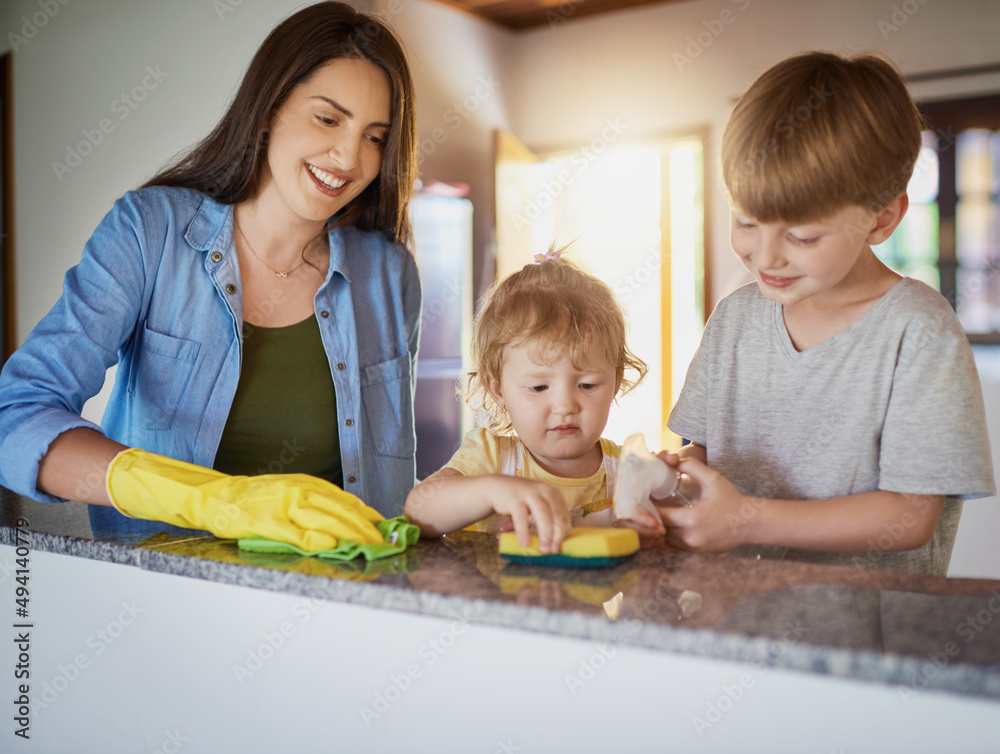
[634, 216]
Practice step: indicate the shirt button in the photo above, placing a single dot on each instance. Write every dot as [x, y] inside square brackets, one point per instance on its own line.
[230, 289]
[341, 366]
[352, 479]
[216, 256]
[349, 422]
[324, 314]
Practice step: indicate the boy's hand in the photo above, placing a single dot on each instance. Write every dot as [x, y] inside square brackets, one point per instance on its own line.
[529, 502]
[715, 524]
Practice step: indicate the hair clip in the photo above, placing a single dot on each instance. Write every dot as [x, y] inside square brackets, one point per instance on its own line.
[553, 254]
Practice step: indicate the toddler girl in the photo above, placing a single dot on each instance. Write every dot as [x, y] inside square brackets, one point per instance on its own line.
[549, 358]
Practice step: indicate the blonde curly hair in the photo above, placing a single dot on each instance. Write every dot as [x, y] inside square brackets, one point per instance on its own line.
[558, 304]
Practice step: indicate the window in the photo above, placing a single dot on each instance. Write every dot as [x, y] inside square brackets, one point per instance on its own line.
[950, 238]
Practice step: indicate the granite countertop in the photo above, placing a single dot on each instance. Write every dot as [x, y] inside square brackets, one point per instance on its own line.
[909, 631]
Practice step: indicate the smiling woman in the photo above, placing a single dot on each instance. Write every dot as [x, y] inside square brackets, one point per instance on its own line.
[260, 300]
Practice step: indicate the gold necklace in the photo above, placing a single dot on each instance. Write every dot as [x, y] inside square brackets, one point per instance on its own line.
[247, 242]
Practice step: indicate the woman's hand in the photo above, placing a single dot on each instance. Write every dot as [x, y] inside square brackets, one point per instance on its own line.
[298, 509]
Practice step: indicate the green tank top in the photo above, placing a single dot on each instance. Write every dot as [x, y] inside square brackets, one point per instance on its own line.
[284, 415]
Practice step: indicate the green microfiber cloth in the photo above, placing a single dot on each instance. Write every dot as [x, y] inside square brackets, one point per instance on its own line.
[397, 533]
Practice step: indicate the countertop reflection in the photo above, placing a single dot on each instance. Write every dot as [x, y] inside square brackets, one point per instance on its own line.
[915, 632]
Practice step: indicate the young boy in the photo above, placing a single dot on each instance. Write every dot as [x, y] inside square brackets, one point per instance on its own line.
[835, 403]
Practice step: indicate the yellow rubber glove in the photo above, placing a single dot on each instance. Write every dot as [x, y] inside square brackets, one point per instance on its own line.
[299, 509]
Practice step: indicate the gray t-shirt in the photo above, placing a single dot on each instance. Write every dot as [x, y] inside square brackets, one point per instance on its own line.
[891, 403]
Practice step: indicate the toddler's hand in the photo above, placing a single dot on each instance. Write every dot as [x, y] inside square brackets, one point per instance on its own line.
[527, 501]
[646, 525]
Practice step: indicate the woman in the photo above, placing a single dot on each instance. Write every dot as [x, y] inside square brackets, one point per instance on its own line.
[259, 301]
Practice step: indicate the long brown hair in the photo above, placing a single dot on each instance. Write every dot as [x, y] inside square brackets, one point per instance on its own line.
[228, 163]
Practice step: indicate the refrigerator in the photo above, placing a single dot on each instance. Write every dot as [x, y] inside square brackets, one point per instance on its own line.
[442, 231]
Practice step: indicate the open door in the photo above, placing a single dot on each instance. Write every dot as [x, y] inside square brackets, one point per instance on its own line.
[635, 215]
[516, 182]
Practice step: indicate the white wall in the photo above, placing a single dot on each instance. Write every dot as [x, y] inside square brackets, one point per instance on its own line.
[631, 66]
[552, 86]
[71, 73]
[71, 70]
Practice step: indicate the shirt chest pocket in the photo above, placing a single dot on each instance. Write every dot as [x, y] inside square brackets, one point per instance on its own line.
[160, 373]
[388, 405]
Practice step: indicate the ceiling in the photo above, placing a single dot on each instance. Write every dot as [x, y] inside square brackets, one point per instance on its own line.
[530, 14]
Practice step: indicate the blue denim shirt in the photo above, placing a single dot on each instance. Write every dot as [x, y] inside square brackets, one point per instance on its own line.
[158, 292]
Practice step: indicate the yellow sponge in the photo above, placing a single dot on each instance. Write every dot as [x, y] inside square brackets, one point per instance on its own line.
[585, 547]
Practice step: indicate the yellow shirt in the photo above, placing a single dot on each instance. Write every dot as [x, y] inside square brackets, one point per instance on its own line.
[587, 499]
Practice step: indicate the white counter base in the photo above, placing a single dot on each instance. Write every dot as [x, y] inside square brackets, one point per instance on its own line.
[126, 660]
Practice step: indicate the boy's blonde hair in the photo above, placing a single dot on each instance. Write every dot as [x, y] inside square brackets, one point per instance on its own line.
[819, 132]
[558, 304]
